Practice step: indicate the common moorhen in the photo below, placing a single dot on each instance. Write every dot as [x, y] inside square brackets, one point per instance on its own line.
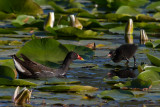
[29, 69]
[124, 52]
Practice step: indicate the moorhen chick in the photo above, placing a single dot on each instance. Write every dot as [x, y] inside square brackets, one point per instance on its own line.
[124, 52]
[29, 69]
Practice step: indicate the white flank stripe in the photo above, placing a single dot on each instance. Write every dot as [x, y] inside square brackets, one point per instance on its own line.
[18, 66]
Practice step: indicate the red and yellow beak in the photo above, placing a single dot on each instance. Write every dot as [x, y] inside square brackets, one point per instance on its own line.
[80, 58]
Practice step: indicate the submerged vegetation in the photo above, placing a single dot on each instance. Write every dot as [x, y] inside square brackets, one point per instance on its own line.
[46, 30]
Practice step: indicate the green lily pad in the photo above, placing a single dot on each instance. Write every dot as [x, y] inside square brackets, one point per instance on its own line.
[20, 7]
[7, 62]
[49, 51]
[45, 50]
[150, 73]
[56, 8]
[149, 44]
[154, 60]
[127, 10]
[145, 18]
[72, 31]
[81, 50]
[23, 19]
[119, 30]
[7, 16]
[16, 82]
[157, 15]
[7, 72]
[68, 88]
[7, 31]
[116, 94]
[153, 5]
[118, 17]
[60, 81]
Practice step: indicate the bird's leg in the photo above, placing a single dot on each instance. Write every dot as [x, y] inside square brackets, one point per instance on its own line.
[134, 61]
[127, 62]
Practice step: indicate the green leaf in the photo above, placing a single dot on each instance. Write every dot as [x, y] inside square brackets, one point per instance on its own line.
[56, 8]
[68, 88]
[116, 94]
[149, 75]
[153, 5]
[7, 72]
[49, 51]
[154, 60]
[7, 16]
[81, 50]
[149, 44]
[72, 31]
[46, 50]
[7, 31]
[127, 10]
[60, 81]
[16, 82]
[20, 7]
[23, 19]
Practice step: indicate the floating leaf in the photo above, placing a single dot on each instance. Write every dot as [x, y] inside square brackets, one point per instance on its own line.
[23, 19]
[71, 31]
[153, 5]
[145, 18]
[7, 72]
[49, 51]
[16, 82]
[154, 60]
[116, 94]
[7, 16]
[7, 31]
[68, 88]
[45, 50]
[20, 7]
[81, 50]
[127, 10]
[56, 8]
[58, 81]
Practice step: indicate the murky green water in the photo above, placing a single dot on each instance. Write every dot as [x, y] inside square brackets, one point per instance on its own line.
[90, 72]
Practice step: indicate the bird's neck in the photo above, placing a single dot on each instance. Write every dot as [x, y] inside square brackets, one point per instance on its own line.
[66, 64]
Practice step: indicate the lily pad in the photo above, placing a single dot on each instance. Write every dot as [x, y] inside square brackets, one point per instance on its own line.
[56, 8]
[16, 82]
[72, 31]
[118, 17]
[20, 7]
[60, 81]
[68, 88]
[45, 50]
[49, 51]
[153, 5]
[7, 72]
[154, 60]
[127, 10]
[23, 19]
[116, 94]
[81, 50]
[7, 16]
[7, 31]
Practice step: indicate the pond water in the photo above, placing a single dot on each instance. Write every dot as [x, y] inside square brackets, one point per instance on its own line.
[90, 72]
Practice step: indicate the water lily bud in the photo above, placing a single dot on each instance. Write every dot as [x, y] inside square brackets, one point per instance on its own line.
[143, 36]
[21, 97]
[129, 27]
[129, 39]
[49, 22]
[75, 22]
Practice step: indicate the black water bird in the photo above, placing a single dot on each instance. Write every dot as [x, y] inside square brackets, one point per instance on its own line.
[30, 69]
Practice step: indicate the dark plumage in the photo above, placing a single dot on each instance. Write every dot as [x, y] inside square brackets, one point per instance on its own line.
[29, 69]
[124, 52]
